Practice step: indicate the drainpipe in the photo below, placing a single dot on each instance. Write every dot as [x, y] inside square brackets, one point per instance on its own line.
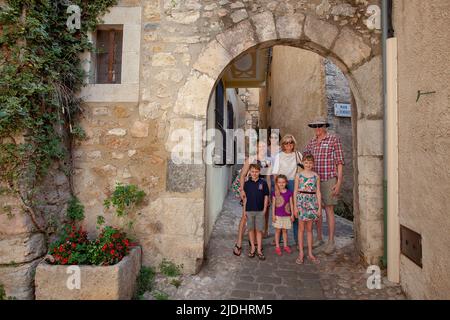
[384, 17]
[391, 256]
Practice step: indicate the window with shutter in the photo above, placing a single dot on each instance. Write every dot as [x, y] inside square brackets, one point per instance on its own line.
[220, 125]
[109, 54]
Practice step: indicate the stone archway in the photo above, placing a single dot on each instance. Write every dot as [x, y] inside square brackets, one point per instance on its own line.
[362, 66]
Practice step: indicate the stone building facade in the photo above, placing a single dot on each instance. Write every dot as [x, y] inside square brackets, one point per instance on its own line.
[174, 52]
[184, 48]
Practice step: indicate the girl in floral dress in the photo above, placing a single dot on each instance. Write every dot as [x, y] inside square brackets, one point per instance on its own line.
[308, 202]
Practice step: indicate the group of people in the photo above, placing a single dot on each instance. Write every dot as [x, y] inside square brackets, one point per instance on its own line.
[296, 186]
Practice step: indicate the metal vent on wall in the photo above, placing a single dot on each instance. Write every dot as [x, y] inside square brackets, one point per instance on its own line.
[411, 245]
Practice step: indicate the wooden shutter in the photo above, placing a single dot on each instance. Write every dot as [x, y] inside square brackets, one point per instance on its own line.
[109, 56]
[232, 153]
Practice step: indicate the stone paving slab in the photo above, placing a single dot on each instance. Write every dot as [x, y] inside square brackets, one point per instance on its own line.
[225, 276]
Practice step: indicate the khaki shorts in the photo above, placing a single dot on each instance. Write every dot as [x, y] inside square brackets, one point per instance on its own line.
[327, 192]
[282, 223]
[255, 220]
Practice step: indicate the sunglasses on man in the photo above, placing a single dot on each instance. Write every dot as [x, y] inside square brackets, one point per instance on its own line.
[317, 126]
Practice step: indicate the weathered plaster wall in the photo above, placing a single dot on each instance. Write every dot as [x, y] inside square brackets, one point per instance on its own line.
[297, 91]
[424, 157]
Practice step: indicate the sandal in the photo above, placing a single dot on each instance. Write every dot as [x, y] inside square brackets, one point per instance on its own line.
[314, 260]
[299, 261]
[261, 256]
[239, 250]
[252, 254]
[256, 244]
[278, 251]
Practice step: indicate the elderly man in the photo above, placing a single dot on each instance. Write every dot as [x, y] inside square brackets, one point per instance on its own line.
[327, 151]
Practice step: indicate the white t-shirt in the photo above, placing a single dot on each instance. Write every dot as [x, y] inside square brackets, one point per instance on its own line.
[285, 163]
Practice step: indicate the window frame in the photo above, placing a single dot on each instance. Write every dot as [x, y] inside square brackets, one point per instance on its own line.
[116, 29]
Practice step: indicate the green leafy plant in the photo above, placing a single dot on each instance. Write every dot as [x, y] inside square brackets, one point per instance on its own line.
[2, 292]
[41, 73]
[100, 222]
[159, 295]
[3, 295]
[75, 210]
[124, 198]
[144, 281]
[73, 247]
[78, 133]
[176, 283]
[109, 248]
[170, 269]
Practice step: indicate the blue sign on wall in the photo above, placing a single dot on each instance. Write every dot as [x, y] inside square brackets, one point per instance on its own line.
[343, 110]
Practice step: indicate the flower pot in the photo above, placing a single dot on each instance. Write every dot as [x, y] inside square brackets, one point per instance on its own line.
[84, 282]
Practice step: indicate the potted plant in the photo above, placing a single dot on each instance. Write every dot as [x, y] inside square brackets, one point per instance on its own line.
[80, 268]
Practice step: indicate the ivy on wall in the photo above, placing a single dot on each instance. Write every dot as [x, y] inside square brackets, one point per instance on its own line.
[40, 73]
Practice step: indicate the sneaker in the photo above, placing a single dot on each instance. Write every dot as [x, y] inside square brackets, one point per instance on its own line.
[329, 249]
[278, 251]
[287, 249]
[318, 243]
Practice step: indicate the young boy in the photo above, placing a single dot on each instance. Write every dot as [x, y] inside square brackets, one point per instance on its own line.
[257, 201]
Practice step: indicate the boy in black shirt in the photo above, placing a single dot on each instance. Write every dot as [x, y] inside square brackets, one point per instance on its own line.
[257, 201]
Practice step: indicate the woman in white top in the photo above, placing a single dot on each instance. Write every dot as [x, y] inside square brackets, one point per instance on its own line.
[286, 163]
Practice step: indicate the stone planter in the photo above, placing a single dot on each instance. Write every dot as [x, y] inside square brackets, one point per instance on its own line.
[116, 282]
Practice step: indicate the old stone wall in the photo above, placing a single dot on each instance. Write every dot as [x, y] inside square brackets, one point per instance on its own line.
[338, 91]
[424, 156]
[22, 244]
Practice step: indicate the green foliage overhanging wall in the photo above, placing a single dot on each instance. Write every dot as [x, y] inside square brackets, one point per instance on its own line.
[40, 73]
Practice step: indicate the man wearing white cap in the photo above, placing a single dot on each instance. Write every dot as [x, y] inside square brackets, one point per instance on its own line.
[328, 156]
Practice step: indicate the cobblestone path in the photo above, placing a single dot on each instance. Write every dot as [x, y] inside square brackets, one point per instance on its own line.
[225, 276]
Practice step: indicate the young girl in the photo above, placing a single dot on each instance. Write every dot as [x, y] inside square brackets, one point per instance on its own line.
[282, 212]
[308, 202]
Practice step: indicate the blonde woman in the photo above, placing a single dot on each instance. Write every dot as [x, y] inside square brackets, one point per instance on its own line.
[286, 163]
